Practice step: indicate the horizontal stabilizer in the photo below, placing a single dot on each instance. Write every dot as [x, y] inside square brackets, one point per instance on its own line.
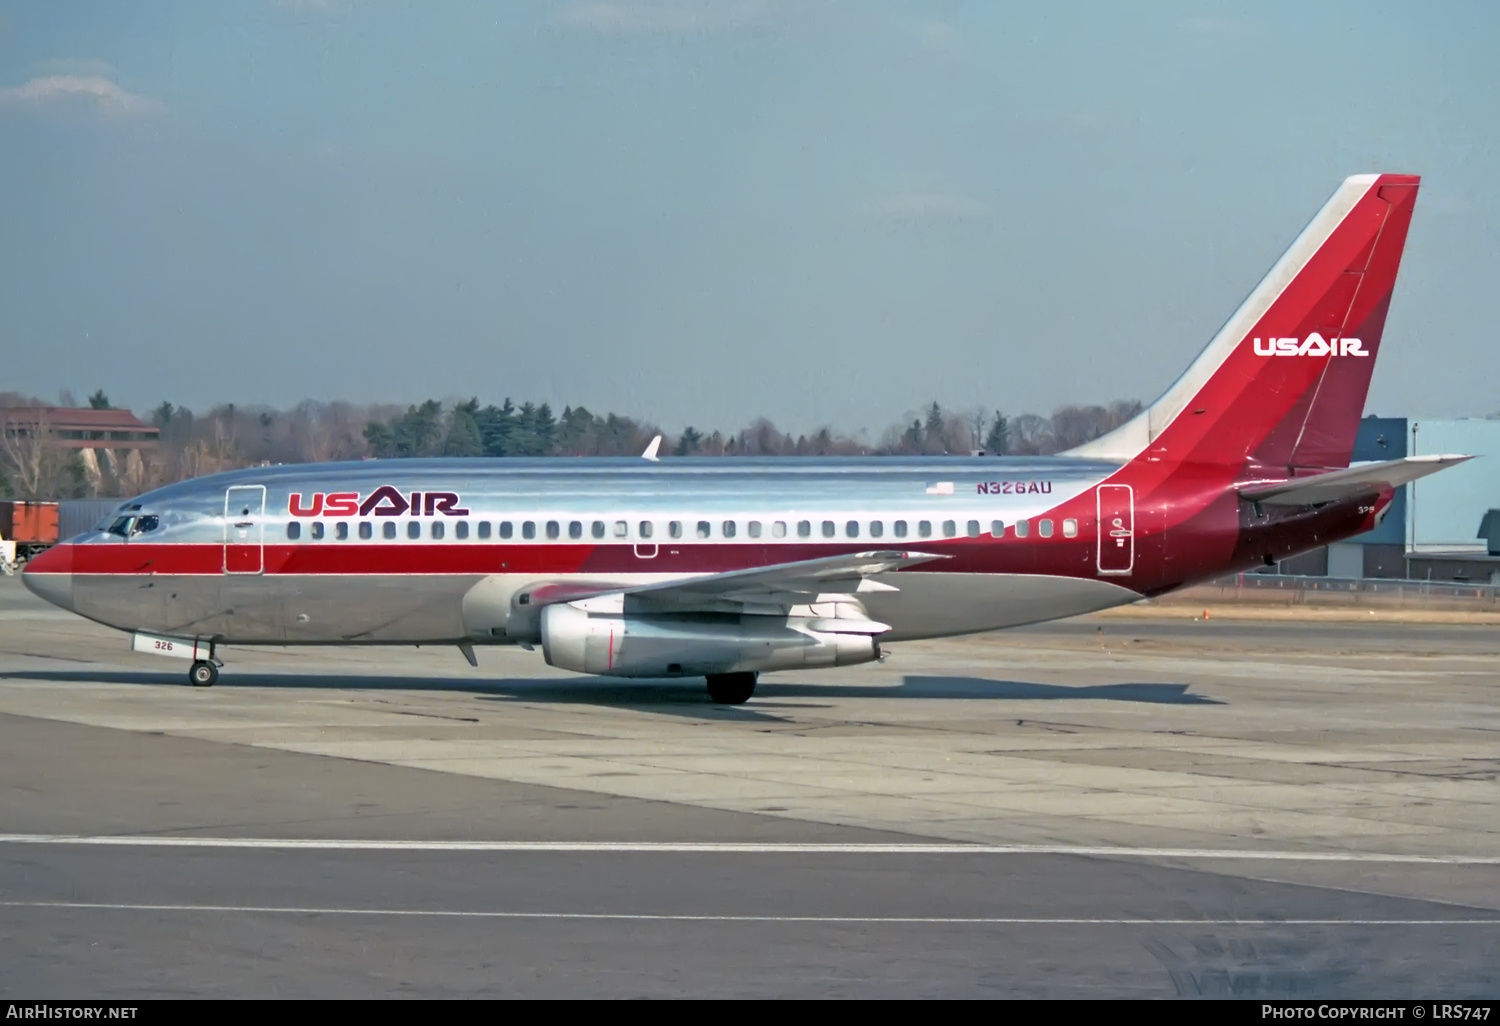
[1360, 479]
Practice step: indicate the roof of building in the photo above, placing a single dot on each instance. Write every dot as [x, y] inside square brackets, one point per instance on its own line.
[68, 418]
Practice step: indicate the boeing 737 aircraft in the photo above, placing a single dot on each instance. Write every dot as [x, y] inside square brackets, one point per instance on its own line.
[726, 568]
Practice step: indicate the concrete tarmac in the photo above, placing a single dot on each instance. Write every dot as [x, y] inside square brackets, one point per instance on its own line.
[1100, 808]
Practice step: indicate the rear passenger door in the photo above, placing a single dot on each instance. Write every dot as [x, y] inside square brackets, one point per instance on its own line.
[1116, 506]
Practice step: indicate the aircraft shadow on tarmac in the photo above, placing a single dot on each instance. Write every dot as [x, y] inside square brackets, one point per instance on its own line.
[683, 697]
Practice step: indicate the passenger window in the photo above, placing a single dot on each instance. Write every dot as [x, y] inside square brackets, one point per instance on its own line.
[778, 529]
[949, 529]
[924, 528]
[341, 531]
[484, 529]
[621, 528]
[753, 528]
[704, 528]
[575, 529]
[804, 529]
[294, 530]
[388, 530]
[316, 531]
[1070, 528]
[1023, 528]
[829, 529]
[851, 529]
[461, 530]
[1044, 528]
[645, 528]
[675, 529]
[597, 529]
[437, 529]
[729, 528]
[506, 530]
[554, 529]
[899, 529]
[366, 531]
[973, 529]
[877, 528]
[414, 529]
[997, 528]
[528, 529]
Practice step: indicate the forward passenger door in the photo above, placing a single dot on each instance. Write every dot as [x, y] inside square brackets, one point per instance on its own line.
[244, 529]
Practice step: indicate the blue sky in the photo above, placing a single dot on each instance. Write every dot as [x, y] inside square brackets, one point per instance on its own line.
[699, 211]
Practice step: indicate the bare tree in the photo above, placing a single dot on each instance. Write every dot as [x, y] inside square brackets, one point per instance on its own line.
[1122, 411]
[1030, 435]
[976, 423]
[1074, 425]
[37, 463]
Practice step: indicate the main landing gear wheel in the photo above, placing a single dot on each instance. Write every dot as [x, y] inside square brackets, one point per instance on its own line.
[731, 688]
[203, 674]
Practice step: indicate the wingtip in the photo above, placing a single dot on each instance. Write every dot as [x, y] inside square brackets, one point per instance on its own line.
[652, 449]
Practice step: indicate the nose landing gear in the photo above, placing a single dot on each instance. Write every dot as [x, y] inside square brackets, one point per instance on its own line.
[204, 674]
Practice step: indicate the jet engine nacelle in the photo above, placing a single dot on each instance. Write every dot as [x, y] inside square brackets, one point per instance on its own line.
[693, 646]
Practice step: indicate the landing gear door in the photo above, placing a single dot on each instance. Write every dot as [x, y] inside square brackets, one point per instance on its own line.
[244, 529]
[1116, 529]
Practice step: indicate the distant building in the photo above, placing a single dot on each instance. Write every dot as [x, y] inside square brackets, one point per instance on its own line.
[1433, 528]
[109, 442]
[81, 428]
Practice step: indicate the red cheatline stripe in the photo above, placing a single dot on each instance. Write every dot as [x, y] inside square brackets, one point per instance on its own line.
[1062, 556]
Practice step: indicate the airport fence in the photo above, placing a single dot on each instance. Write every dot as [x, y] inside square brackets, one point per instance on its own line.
[1394, 593]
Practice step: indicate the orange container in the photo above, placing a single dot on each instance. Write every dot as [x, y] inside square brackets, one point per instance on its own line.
[29, 522]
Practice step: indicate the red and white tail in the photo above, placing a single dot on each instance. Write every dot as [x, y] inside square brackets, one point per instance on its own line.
[1283, 383]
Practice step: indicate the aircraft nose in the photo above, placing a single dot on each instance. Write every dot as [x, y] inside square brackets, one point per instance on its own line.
[49, 575]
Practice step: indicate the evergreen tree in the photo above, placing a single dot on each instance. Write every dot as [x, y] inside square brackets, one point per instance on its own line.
[99, 401]
[689, 441]
[619, 436]
[575, 436]
[523, 440]
[935, 434]
[418, 431]
[544, 426]
[495, 425]
[463, 432]
[379, 437]
[994, 442]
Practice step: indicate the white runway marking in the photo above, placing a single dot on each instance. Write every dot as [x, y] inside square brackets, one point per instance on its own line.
[737, 848]
[689, 918]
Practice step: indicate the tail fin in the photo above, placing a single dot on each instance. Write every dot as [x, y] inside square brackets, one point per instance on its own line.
[1283, 383]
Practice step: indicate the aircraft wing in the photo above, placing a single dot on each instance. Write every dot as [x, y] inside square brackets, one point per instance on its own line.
[781, 584]
[1360, 479]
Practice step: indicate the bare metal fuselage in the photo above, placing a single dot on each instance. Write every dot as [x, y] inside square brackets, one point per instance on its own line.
[219, 563]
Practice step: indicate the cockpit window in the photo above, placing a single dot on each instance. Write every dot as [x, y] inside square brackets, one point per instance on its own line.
[144, 524]
[121, 526]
